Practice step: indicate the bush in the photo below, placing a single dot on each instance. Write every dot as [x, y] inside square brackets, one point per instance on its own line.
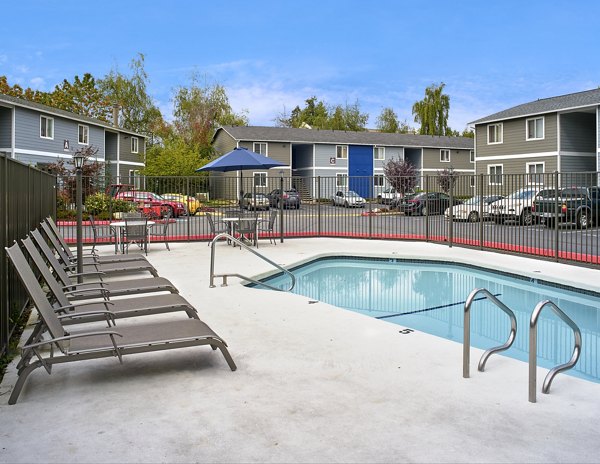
[122, 206]
[97, 203]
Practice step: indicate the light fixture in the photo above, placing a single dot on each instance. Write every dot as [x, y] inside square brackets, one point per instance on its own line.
[78, 160]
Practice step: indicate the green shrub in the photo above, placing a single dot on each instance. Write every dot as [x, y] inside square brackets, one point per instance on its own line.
[97, 203]
[122, 206]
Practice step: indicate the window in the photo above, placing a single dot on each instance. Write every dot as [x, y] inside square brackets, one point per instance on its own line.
[444, 156]
[495, 133]
[472, 181]
[341, 151]
[260, 179]
[378, 180]
[134, 145]
[379, 153]
[495, 174]
[135, 178]
[46, 127]
[260, 148]
[341, 180]
[84, 135]
[535, 173]
[472, 156]
[535, 129]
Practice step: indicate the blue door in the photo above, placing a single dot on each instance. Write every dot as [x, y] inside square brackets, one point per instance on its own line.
[360, 169]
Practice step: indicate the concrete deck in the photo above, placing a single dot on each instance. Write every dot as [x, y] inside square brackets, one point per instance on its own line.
[314, 383]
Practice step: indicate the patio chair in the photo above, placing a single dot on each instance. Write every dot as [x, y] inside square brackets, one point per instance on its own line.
[99, 288]
[51, 230]
[102, 233]
[93, 343]
[245, 228]
[135, 231]
[161, 230]
[216, 227]
[268, 226]
[107, 268]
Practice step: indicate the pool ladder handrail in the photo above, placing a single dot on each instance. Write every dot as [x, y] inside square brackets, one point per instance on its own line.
[533, 348]
[467, 331]
[229, 237]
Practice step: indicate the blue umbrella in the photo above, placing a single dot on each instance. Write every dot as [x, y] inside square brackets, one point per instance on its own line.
[239, 159]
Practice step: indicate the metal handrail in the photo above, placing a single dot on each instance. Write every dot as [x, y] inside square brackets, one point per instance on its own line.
[533, 348]
[249, 279]
[467, 331]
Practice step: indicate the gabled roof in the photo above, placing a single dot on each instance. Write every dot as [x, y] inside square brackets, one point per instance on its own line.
[546, 105]
[62, 113]
[286, 135]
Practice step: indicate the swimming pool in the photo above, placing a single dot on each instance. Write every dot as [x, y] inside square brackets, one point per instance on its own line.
[429, 296]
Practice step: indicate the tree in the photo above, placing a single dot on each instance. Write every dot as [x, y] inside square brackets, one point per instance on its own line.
[82, 96]
[401, 175]
[137, 112]
[174, 157]
[446, 179]
[318, 115]
[432, 112]
[387, 121]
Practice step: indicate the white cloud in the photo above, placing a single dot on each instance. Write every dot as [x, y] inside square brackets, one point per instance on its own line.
[37, 82]
[22, 68]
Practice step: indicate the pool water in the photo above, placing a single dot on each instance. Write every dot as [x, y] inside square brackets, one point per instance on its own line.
[430, 297]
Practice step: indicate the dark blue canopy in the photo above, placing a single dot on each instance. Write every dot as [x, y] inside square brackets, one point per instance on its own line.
[239, 159]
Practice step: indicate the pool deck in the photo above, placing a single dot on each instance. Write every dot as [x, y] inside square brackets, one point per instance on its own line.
[314, 383]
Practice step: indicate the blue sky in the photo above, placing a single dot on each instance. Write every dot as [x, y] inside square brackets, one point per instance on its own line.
[272, 55]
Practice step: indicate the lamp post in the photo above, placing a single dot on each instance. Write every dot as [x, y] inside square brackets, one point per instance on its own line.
[78, 159]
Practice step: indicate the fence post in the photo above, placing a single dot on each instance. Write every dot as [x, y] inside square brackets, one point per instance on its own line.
[427, 208]
[481, 229]
[556, 206]
[318, 206]
[451, 224]
[371, 210]
[187, 200]
[281, 208]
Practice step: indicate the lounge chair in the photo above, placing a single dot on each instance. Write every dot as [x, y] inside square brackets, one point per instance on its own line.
[51, 230]
[100, 288]
[127, 267]
[92, 344]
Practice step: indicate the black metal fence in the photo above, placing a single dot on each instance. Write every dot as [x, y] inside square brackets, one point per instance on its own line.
[27, 196]
[492, 212]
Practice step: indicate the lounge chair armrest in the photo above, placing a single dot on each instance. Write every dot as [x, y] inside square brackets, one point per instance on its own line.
[110, 333]
[84, 284]
[83, 274]
[82, 303]
[86, 291]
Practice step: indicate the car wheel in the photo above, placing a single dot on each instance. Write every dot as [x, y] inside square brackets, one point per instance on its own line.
[473, 216]
[583, 219]
[424, 211]
[526, 218]
[346, 204]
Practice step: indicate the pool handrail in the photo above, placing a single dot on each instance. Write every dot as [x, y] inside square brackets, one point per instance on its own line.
[533, 348]
[467, 331]
[231, 238]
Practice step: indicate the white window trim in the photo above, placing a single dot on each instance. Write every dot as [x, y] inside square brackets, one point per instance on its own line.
[501, 126]
[86, 134]
[379, 150]
[344, 150]
[449, 155]
[377, 176]
[527, 137]
[533, 163]
[137, 145]
[266, 153]
[341, 176]
[47, 118]
[490, 175]
[261, 176]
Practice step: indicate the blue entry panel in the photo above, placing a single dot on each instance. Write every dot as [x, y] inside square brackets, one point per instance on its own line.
[360, 169]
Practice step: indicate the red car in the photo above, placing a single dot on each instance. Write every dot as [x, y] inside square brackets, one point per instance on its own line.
[149, 201]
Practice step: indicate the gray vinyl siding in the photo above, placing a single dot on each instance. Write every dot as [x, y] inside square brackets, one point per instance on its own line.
[518, 165]
[514, 138]
[578, 163]
[223, 143]
[279, 151]
[5, 127]
[459, 159]
[125, 147]
[396, 153]
[27, 134]
[577, 132]
[323, 154]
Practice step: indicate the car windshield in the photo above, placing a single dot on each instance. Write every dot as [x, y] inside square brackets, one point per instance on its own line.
[472, 201]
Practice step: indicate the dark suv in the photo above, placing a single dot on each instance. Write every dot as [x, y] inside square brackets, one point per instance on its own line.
[290, 198]
[577, 205]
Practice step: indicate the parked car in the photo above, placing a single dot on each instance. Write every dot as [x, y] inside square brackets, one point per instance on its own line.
[470, 209]
[578, 205]
[290, 198]
[150, 202]
[424, 203]
[515, 207]
[348, 198]
[254, 201]
[192, 204]
[388, 195]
